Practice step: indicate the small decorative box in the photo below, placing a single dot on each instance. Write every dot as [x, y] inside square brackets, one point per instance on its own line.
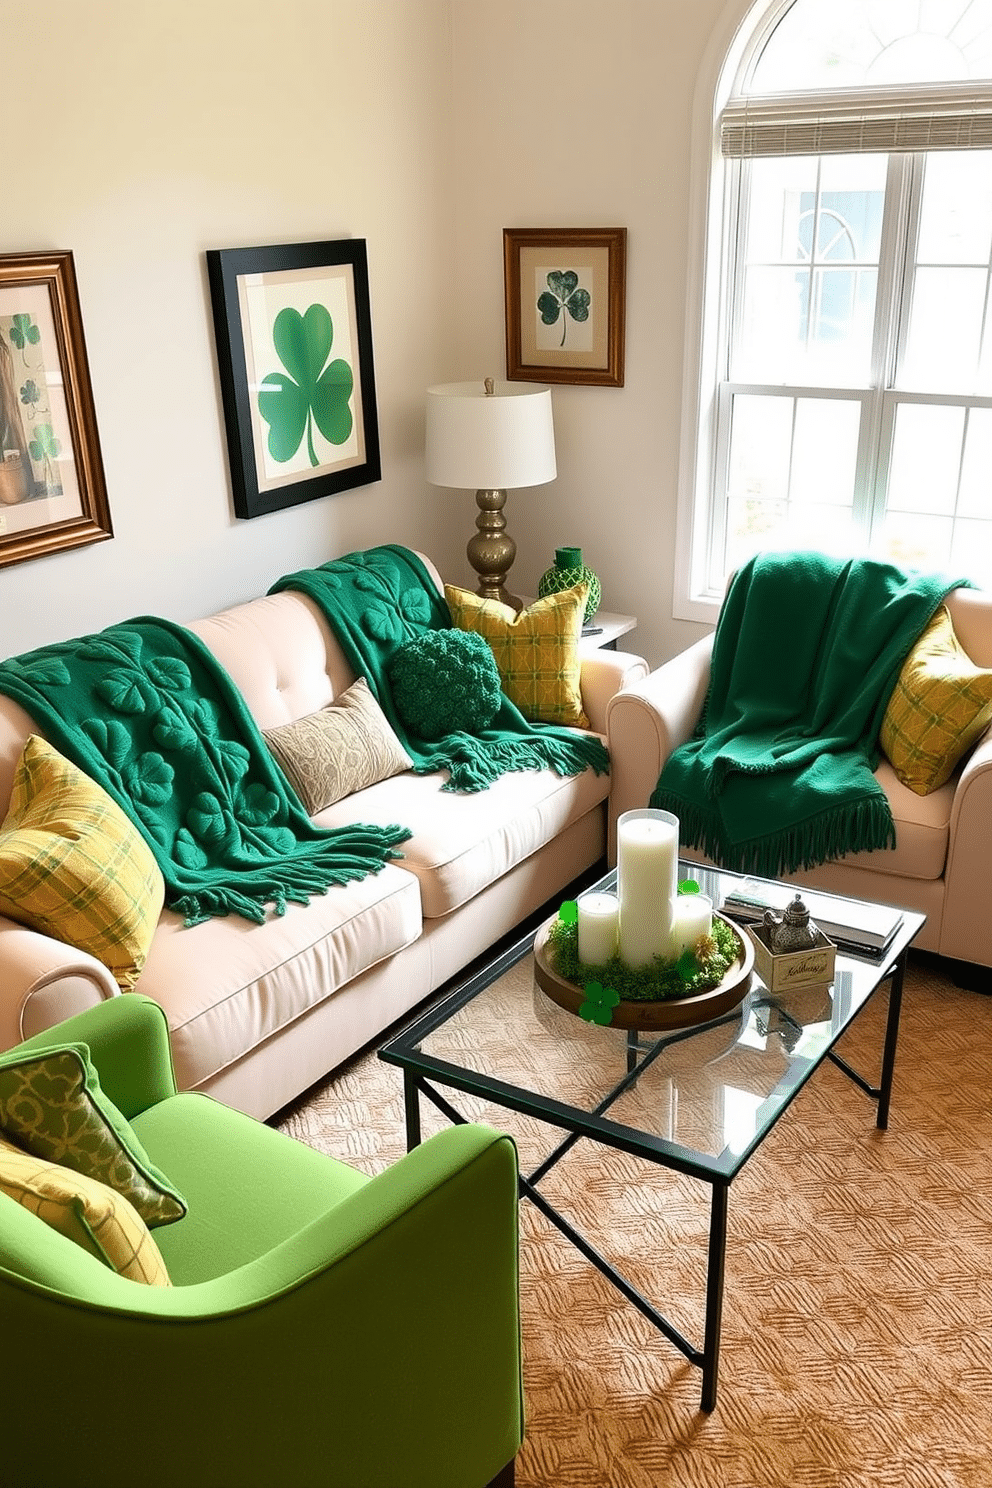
[782, 969]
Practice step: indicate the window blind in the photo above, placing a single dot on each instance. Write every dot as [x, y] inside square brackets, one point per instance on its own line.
[857, 123]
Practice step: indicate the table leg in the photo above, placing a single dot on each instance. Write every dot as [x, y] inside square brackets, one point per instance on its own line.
[891, 1041]
[411, 1102]
[632, 1048]
[714, 1294]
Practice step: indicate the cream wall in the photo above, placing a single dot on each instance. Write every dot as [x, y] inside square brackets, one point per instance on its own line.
[578, 113]
[140, 134]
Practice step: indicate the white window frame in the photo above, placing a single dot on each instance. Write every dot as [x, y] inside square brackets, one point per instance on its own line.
[919, 117]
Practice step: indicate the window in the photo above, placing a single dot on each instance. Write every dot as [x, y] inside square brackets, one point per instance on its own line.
[844, 400]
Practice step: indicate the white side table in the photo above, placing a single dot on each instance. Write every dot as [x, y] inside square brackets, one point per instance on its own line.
[604, 630]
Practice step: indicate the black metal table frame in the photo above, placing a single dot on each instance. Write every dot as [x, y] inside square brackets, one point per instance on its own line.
[719, 1172]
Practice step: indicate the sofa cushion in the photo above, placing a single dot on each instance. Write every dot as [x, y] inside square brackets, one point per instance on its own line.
[923, 825]
[536, 651]
[85, 1211]
[462, 841]
[228, 985]
[338, 750]
[52, 1106]
[939, 707]
[73, 866]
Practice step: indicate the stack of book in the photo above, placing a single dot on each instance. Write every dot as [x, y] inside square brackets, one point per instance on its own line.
[852, 924]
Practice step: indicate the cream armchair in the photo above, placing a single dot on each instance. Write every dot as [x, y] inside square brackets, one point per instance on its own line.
[941, 865]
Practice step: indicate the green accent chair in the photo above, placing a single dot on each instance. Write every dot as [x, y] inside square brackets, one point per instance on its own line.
[322, 1328]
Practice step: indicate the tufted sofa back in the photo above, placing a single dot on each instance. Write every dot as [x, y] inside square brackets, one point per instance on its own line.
[278, 650]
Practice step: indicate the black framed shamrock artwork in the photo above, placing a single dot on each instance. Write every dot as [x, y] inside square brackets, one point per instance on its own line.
[565, 293]
[294, 350]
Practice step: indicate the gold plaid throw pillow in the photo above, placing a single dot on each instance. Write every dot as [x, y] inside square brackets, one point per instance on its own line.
[939, 707]
[73, 866]
[536, 651]
[85, 1211]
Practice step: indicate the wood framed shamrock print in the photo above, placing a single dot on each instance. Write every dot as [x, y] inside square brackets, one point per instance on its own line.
[294, 351]
[52, 489]
[565, 293]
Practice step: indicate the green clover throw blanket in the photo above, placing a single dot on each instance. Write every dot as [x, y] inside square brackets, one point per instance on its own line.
[778, 776]
[145, 709]
[375, 601]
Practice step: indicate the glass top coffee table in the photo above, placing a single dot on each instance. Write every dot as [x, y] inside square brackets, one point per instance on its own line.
[699, 1100]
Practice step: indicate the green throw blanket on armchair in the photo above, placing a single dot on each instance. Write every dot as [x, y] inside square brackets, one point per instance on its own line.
[377, 600]
[145, 709]
[808, 648]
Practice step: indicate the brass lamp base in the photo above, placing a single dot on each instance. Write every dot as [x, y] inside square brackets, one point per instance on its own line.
[491, 551]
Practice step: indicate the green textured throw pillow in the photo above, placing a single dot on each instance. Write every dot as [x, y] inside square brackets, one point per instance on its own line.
[444, 682]
[51, 1106]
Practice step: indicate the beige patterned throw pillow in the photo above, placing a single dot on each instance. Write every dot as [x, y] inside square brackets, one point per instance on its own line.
[341, 749]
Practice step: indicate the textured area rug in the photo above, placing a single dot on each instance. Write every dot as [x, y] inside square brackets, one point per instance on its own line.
[857, 1320]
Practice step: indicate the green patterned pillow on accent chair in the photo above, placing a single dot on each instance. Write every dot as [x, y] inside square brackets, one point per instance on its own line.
[52, 1107]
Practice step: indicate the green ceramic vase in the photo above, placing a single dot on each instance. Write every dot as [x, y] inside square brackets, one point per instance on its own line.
[568, 570]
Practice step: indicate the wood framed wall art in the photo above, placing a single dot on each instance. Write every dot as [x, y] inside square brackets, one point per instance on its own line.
[52, 490]
[294, 350]
[565, 291]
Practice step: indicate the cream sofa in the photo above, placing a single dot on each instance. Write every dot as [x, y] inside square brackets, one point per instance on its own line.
[258, 1013]
[941, 865]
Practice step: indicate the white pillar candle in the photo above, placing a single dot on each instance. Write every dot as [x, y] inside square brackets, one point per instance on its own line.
[598, 916]
[693, 917]
[647, 879]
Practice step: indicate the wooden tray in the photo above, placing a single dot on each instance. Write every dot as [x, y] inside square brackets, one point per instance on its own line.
[675, 1012]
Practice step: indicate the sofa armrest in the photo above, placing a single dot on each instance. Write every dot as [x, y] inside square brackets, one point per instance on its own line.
[604, 673]
[43, 980]
[646, 721]
[966, 928]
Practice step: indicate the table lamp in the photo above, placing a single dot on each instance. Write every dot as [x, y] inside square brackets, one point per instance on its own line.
[493, 437]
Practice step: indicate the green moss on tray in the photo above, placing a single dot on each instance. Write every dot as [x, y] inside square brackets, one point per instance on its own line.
[663, 981]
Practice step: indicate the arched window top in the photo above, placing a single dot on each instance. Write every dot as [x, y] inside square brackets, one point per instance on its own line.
[825, 45]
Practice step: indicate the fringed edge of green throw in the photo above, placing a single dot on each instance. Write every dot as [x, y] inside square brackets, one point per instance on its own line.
[864, 827]
[349, 853]
[473, 764]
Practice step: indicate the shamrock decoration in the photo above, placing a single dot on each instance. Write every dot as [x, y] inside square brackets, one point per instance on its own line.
[599, 1004]
[687, 966]
[569, 912]
[23, 331]
[44, 445]
[563, 293]
[30, 393]
[688, 886]
[44, 448]
[312, 393]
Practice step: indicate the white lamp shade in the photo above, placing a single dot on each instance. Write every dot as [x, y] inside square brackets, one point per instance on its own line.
[498, 441]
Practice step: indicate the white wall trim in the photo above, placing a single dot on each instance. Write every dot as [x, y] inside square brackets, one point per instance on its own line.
[743, 29]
